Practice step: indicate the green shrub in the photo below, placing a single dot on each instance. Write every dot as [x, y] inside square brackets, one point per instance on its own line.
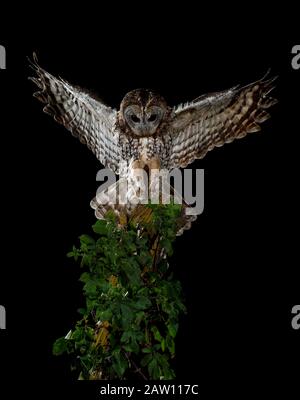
[129, 324]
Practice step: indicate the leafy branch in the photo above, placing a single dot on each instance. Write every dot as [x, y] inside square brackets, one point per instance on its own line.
[130, 321]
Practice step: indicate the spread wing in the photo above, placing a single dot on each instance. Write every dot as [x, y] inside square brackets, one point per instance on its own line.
[85, 117]
[218, 118]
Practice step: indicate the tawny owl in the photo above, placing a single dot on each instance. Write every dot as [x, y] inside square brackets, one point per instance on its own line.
[146, 130]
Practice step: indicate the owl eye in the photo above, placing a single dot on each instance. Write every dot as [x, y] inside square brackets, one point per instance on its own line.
[152, 117]
[134, 118]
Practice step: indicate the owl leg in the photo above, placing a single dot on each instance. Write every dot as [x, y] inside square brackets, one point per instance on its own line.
[138, 182]
[153, 166]
[153, 163]
[138, 164]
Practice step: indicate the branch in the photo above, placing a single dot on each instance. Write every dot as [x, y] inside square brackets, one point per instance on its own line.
[138, 370]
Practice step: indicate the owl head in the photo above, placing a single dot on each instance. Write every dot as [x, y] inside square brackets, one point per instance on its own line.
[143, 113]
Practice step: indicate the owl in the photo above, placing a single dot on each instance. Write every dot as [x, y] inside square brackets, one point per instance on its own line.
[148, 133]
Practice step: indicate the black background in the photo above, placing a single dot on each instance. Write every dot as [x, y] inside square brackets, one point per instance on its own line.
[238, 264]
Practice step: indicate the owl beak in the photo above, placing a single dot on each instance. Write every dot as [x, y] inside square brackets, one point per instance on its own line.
[144, 128]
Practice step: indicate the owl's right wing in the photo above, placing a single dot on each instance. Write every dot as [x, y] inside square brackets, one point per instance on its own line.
[85, 117]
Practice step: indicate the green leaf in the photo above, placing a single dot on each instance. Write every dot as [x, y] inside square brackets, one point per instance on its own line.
[74, 253]
[132, 271]
[142, 303]
[134, 346]
[90, 288]
[168, 373]
[86, 260]
[146, 350]
[127, 315]
[87, 240]
[105, 315]
[128, 348]
[120, 363]
[145, 360]
[172, 328]
[153, 369]
[167, 245]
[100, 227]
[139, 317]
[131, 247]
[126, 336]
[163, 362]
[163, 344]
[156, 333]
[170, 344]
[60, 346]
[85, 277]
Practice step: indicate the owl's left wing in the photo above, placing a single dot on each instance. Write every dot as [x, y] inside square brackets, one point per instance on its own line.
[218, 118]
[85, 117]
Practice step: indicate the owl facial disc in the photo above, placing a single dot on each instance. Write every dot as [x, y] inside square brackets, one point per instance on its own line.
[143, 111]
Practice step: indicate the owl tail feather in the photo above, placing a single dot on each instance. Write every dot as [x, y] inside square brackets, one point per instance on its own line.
[133, 207]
